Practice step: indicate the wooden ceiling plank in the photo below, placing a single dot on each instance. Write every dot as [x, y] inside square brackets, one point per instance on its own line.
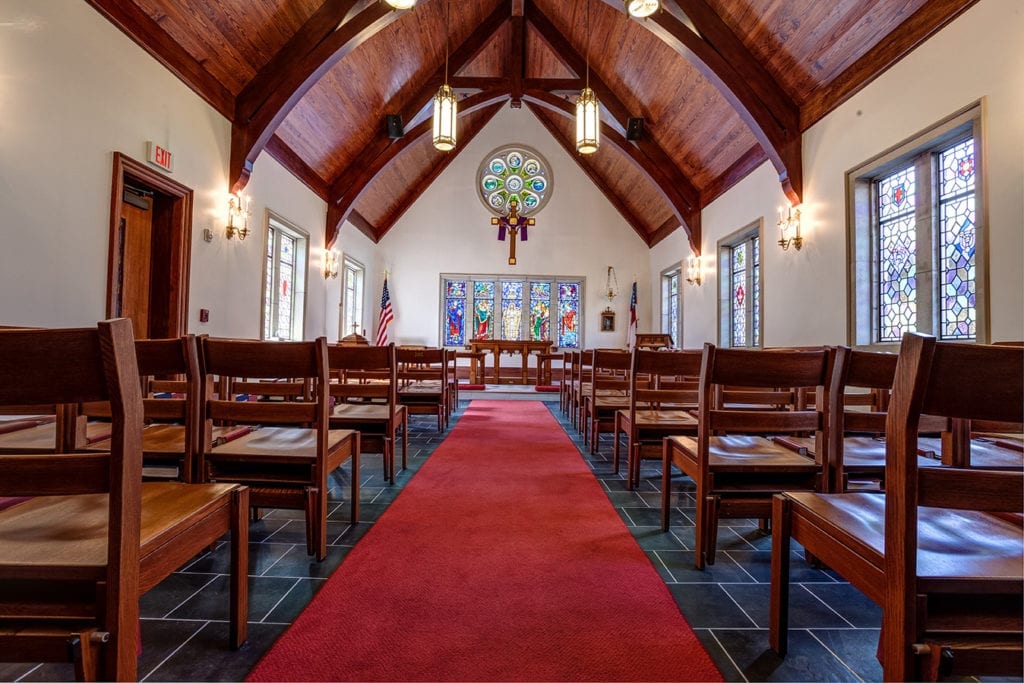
[149, 35]
[250, 135]
[338, 209]
[615, 107]
[436, 170]
[480, 82]
[932, 17]
[287, 157]
[412, 111]
[686, 214]
[735, 81]
[588, 169]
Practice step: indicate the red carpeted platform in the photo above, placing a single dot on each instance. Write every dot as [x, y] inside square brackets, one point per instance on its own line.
[501, 560]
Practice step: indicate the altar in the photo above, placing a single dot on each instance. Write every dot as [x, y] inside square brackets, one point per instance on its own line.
[511, 347]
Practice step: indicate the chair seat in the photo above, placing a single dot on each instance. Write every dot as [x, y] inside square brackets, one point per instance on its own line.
[42, 438]
[70, 532]
[660, 419]
[747, 454]
[952, 544]
[422, 387]
[156, 438]
[862, 453]
[287, 445]
[364, 412]
[987, 454]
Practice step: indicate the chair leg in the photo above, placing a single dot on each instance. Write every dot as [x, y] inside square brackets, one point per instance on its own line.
[310, 506]
[615, 447]
[700, 528]
[631, 455]
[712, 535]
[239, 568]
[355, 479]
[320, 519]
[666, 486]
[389, 456]
[778, 606]
[405, 438]
[85, 653]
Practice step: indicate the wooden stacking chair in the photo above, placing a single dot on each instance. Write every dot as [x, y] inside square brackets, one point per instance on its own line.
[287, 461]
[608, 393]
[661, 403]
[568, 376]
[423, 382]
[92, 537]
[366, 399]
[941, 551]
[735, 467]
[583, 374]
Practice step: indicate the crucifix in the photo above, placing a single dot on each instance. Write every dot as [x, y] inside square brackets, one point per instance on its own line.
[513, 223]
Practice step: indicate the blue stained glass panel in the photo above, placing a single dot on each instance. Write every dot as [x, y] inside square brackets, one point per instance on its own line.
[956, 168]
[540, 311]
[483, 319]
[897, 194]
[957, 258]
[457, 288]
[739, 295]
[483, 290]
[455, 329]
[568, 315]
[540, 290]
[755, 302]
[511, 290]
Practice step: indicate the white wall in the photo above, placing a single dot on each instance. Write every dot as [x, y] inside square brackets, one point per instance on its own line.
[448, 230]
[73, 89]
[980, 55]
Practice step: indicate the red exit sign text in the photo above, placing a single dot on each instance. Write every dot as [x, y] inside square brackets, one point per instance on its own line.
[158, 156]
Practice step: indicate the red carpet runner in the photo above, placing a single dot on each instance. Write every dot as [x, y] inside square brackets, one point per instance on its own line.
[501, 560]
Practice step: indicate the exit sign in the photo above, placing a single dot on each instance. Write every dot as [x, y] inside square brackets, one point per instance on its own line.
[159, 156]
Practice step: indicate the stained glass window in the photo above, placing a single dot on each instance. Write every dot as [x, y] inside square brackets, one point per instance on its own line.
[284, 279]
[495, 307]
[514, 173]
[671, 324]
[455, 307]
[897, 254]
[740, 259]
[540, 311]
[956, 244]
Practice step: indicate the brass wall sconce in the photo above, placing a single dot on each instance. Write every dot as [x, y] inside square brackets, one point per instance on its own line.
[330, 264]
[238, 216]
[694, 270]
[789, 229]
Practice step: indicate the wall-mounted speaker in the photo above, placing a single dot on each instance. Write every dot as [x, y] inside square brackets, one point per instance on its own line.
[634, 128]
[394, 124]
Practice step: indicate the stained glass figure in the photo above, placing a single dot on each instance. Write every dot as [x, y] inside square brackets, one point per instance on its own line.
[957, 242]
[897, 255]
[483, 310]
[511, 309]
[540, 311]
[568, 315]
[455, 307]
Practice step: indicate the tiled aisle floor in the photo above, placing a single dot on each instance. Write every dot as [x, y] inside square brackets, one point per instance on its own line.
[184, 626]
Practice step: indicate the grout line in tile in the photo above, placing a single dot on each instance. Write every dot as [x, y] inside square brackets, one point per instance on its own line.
[213, 577]
[165, 659]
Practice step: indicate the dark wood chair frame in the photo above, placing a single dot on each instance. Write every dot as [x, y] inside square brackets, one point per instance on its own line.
[423, 382]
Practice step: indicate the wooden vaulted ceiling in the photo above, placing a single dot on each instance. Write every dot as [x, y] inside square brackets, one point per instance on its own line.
[721, 86]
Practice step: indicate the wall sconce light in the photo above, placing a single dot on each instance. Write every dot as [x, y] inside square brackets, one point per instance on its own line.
[694, 270]
[789, 229]
[330, 263]
[238, 216]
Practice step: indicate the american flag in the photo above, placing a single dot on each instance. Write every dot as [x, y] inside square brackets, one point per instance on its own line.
[631, 334]
[386, 315]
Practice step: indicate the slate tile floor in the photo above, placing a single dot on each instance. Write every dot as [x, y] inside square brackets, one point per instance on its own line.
[835, 628]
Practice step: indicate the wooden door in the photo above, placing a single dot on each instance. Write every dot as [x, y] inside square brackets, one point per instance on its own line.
[137, 245]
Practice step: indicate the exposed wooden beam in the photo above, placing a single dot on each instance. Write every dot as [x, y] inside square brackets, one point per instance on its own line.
[567, 85]
[338, 210]
[152, 38]
[667, 228]
[588, 169]
[739, 169]
[412, 110]
[932, 17]
[722, 58]
[516, 58]
[362, 225]
[688, 216]
[287, 157]
[676, 182]
[464, 139]
[263, 105]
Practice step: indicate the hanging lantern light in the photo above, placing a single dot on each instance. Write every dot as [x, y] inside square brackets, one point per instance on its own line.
[401, 4]
[642, 8]
[445, 104]
[588, 114]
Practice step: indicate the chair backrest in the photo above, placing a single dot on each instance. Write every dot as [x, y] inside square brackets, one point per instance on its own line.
[660, 378]
[363, 373]
[610, 368]
[74, 366]
[421, 364]
[765, 370]
[959, 381]
[303, 361]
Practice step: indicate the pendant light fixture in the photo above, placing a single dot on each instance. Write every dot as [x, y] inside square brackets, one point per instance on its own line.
[445, 104]
[588, 117]
[401, 4]
[642, 9]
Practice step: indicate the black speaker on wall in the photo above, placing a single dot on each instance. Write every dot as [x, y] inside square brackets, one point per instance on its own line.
[395, 129]
[634, 128]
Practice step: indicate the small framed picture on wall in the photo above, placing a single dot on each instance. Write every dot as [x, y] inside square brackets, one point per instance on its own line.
[608, 321]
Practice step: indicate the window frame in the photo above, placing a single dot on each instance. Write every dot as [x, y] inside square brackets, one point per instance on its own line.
[470, 279]
[862, 230]
[674, 271]
[276, 223]
[724, 249]
[359, 296]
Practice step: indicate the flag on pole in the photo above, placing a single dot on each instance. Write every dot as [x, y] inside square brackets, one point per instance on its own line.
[631, 334]
[386, 315]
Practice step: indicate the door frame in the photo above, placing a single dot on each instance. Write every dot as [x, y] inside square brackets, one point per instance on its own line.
[127, 168]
